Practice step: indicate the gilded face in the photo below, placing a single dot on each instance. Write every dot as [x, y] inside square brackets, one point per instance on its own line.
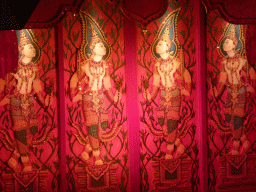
[228, 45]
[29, 51]
[161, 47]
[99, 49]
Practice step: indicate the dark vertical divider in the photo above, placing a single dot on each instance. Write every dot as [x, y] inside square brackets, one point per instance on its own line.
[202, 95]
[132, 102]
[61, 105]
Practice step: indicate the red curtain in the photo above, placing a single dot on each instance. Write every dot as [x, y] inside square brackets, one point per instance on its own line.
[8, 52]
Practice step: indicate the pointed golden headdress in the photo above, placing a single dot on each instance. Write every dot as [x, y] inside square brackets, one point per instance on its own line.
[232, 35]
[95, 38]
[166, 35]
[23, 40]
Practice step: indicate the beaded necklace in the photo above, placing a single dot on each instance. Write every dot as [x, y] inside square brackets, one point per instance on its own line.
[25, 72]
[233, 63]
[96, 70]
[232, 66]
[165, 67]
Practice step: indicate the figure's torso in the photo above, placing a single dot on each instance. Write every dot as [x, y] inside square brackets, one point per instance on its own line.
[233, 68]
[96, 72]
[26, 74]
[166, 69]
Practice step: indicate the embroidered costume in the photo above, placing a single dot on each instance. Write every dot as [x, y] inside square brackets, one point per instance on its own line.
[93, 103]
[25, 121]
[24, 117]
[236, 90]
[170, 95]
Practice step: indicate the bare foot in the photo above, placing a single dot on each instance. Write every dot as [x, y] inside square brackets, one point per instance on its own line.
[27, 168]
[13, 163]
[180, 150]
[236, 148]
[26, 164]
[170, 149]
[96, 155]
[99, 162]
[234, 152]
[246, 146]
[168, 157]
[84, 156]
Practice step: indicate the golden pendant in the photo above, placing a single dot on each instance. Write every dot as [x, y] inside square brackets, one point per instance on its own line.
[96, 101]
[25, 105]
[168, 97]
[234, 95]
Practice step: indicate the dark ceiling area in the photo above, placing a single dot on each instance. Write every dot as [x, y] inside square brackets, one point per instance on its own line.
[15, 14]
[34, 13]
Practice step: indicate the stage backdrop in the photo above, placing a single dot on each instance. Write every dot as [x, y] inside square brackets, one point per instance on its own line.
[28, 111]
[96, 133]
[64, 104]
[167, 83]
[231, 107]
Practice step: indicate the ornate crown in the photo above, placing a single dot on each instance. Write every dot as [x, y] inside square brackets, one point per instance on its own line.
[166, 35]
[232, 35]
[23, 40]
[95, 38]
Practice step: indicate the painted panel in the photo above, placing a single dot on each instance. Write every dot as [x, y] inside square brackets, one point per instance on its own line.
[97, 135]
[29, 131]
[231, 107]
[166, 61]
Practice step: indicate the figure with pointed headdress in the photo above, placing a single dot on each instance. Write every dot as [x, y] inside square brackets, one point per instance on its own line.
[171, 80]
[26, 87]
[239, 78]
[89, 85]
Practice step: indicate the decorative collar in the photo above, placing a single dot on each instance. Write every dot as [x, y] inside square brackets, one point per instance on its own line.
[168, 59]
[96, 63]
[236, 56]
[25, 66]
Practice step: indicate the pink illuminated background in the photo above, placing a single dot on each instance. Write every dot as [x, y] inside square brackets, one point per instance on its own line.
[135, 157]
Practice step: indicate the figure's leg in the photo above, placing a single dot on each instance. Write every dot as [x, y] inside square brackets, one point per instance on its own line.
[21, 138]
[104, 125]
[162, 124]
[26, 164]
[95, 143]
[238, 128]
[172, 134]
[180, 147]
[30, 135]
[85, 154]
[170, 149]
[228, 118]
[33, 130]
[96, 155]
[13, 161]
[161, 121]
[246, 143]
